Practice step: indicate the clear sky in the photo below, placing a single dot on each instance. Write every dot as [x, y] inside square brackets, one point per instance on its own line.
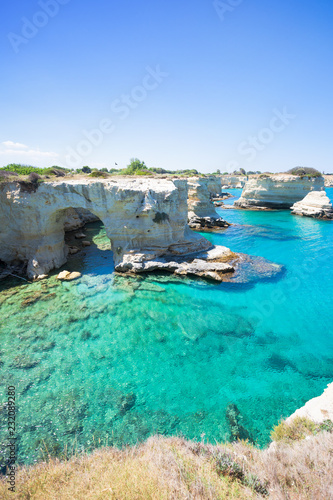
[179, 84]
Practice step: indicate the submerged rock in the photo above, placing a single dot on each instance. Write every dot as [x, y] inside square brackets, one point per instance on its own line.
[234, 419]
[126, 403]
[249, 269]
[24, 362]
[31, 299]
[316, 204]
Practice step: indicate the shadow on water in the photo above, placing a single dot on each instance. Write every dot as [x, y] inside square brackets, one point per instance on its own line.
[264, 231]
[96, 259]
[311, 366]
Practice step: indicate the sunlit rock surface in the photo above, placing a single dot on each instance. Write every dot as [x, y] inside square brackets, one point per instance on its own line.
[147, 216]
[212, 264]
[328, 180]
[277, 191]
[201, 209]
[315, 204]
[233, 181]
[317, 409]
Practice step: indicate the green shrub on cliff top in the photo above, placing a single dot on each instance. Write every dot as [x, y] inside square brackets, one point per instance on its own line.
[99, 173]
[28, 169]
[304, 171]
[299, 428]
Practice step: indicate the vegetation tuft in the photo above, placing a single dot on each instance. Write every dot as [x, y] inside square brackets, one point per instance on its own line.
[138, 167]
[298, 428]
[304, 172]
[19, 169]
[174, 468]
[100, 174]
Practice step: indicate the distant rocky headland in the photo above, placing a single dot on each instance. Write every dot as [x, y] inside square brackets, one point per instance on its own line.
[277, 191]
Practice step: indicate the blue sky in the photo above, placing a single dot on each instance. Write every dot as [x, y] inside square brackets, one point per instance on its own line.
[191, 84]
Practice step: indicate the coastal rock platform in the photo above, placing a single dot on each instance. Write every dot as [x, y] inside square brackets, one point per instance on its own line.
[218, 264]
[207, 223]
[211, 264]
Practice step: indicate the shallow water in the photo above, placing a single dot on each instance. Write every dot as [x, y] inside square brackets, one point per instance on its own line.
[112, 360]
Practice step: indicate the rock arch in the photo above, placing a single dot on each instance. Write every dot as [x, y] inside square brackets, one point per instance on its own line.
[146, 218]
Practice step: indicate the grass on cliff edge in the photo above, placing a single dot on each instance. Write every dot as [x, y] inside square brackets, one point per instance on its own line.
[299, 428]
[173, 468]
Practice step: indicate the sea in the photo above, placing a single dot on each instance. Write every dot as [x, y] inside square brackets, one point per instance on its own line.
[112, 360]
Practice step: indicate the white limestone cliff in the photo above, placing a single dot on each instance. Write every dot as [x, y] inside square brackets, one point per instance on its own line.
[214, 185]
[201, 209]
[317, 409]
[233, 181]
[199, 197]
[146, 217]
[315, 204]
[78, 217]
[328, 180]
[277, 191]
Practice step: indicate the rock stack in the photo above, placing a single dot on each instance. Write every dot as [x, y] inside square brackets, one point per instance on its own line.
[201, 210]
[315, 204]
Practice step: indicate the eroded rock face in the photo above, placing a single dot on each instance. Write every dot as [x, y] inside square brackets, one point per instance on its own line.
[214, 185]
[76, 218]
[277, 191]
[147, 217]
[200, 191]
[201, 209]
[212, 264]
[315, 204]
[328, 180]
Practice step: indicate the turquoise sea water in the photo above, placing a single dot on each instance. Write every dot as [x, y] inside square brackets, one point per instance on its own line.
[113, 360]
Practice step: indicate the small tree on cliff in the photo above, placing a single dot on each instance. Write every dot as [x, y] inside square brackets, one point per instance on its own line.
[136, 166]
[304, 171]
[86, 170]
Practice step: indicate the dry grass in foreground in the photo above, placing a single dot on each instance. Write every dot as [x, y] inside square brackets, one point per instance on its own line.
[173, 468]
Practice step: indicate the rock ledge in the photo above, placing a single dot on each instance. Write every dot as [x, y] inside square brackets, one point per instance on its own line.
[211, 264]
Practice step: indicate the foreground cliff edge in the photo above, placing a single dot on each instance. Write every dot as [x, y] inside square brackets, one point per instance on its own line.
[298, 466]
[145, 220]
